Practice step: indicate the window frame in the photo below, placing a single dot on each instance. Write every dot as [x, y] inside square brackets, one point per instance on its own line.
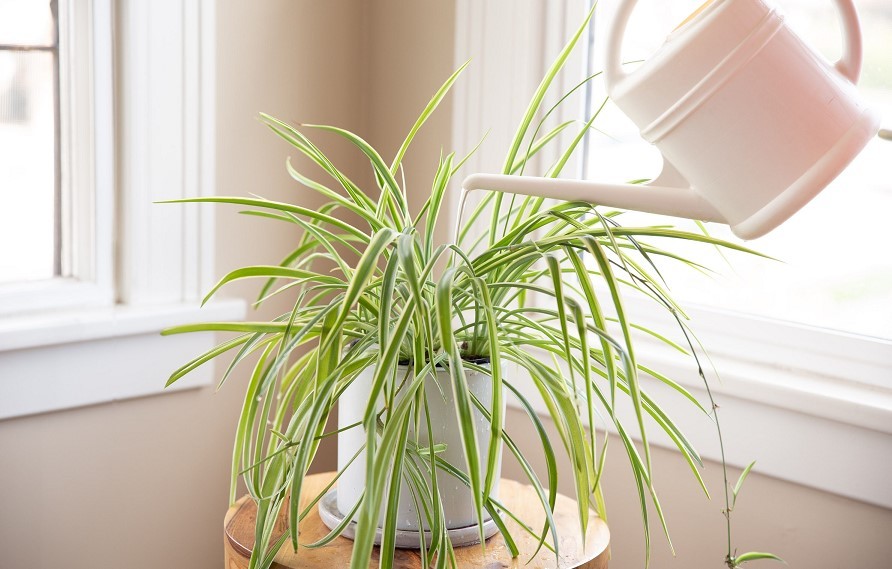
[84, 115]
[792, 396]
[138, 267]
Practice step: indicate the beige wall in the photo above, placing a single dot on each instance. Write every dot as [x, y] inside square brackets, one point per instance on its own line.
[146, 480]
[409, 45]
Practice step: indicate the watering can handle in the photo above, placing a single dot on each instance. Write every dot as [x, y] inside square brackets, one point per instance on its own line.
[849, 66]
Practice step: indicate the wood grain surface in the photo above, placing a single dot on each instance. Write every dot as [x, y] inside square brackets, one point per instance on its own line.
[593, 553]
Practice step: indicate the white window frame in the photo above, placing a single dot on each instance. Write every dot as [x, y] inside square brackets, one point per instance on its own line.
[86, 109]
[812, 406]
[138, 128]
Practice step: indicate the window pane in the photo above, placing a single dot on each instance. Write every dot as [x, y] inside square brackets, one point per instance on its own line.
[834, 268]
[28, 165]
[26, 22]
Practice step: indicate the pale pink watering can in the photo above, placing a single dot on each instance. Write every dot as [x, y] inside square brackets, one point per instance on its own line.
[751, 122]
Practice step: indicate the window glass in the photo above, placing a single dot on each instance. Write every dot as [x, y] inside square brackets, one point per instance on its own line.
[28, 141]
[834, 265]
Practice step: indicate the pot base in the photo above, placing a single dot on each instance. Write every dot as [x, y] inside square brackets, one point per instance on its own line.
[405, 539]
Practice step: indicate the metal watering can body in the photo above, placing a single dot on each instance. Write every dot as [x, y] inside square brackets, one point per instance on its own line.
[751, 122]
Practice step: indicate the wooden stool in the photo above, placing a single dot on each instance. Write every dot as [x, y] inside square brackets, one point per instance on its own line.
[519, 498]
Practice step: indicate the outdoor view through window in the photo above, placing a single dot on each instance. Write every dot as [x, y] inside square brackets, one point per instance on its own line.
[29, 215]
[834, 267]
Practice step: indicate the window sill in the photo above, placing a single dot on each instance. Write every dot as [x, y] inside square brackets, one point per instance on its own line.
[826, 432]
[813, 430]
[57, 361]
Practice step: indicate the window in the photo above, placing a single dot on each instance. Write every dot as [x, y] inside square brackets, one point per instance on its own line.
[29, 123]
[132, 124]
[812, 332]
[833, 270]
[789, 392]
[57, 177]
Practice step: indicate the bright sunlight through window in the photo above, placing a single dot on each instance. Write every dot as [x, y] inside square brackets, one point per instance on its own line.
[29, 216]
[834, 268]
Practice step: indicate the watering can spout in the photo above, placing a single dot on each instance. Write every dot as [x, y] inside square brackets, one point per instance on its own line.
[662, 196]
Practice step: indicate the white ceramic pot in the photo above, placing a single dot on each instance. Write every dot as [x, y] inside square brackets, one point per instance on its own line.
[457, 500]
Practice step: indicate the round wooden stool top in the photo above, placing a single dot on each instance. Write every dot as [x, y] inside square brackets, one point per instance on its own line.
[519, 498]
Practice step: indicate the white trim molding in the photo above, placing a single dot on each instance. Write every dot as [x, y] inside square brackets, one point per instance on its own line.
[818, 430]
[63, 360]
[812, 406]
[165, 115]
[149, 114]
[510, 45]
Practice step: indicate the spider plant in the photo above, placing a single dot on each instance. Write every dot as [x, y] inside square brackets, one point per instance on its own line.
[379, 292]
